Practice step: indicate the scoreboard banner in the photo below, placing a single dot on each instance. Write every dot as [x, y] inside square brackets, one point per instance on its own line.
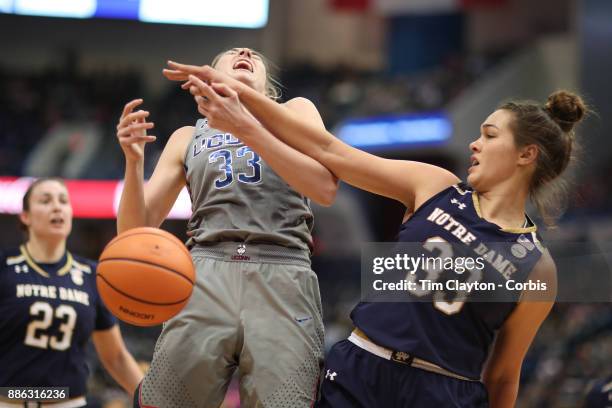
[226, 13]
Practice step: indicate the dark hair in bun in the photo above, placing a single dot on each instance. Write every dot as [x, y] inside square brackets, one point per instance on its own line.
[566, 109]
[551, 128]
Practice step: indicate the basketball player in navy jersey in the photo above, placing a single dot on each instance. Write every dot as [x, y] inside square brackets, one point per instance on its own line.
[49, 306]
[256, 306]
[444, 353]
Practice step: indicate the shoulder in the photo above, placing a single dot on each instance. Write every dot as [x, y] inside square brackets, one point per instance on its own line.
[83, 269]
[544, 271]
[85, 264]
[9, 256]
[441, 182]
[305, 108]
[183, 134]
[179, 141]
[300, 103]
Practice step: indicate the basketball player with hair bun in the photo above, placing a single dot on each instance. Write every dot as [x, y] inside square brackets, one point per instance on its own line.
[256, 305]
[438, 353]
[49, 307]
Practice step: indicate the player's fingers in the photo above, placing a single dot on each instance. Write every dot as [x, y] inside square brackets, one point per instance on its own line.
[134, 127]
[203, 111]
[147, 138]
[223, 89]
[131, 117]
[203, 108]
[186, 85]
[126, 141]
[203, 72]
[205, 89]
[174, 75]
[195, 91]
[200, 100]
[186, 68]
[130, 106]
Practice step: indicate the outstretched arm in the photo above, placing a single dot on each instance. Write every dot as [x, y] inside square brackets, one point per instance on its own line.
[409, 182]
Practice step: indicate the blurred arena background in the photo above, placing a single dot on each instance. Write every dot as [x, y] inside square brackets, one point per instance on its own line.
[409, 79]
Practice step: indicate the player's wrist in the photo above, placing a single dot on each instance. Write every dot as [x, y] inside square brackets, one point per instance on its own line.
[240, 88]
[246, 129]
[134, 161]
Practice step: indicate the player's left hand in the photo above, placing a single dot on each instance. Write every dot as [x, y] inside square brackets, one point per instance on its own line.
[221, 106]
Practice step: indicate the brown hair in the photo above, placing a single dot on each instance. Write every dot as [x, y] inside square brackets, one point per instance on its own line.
[25, 205]
[273, 86]
[551, 128]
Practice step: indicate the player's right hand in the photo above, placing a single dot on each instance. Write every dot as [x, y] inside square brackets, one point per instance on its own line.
[132, 131]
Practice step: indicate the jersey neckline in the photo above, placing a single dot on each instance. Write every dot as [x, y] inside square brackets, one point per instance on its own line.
[63, 270]
[512, 230]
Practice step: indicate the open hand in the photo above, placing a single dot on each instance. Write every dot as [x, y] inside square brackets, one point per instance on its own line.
[132, 131]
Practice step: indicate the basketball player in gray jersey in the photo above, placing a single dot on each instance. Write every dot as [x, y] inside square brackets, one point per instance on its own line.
[256, 305]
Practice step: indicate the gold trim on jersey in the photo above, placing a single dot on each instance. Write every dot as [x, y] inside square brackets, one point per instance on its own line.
[82, 267]
[517, 230]
[537, 242]
[14, 260]
[62, 271]
[476, 202]
[460, 190]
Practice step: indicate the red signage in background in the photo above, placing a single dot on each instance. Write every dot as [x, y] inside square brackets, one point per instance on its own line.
[89, 198]
[351, 5]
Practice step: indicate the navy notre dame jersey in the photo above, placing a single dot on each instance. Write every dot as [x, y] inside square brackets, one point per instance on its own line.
[455, 335]
[47, 314]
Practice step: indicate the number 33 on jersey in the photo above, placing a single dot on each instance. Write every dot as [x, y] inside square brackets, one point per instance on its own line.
[231, 188]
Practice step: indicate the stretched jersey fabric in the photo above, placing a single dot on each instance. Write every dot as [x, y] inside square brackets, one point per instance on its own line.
[47, 314]
[455, 335]
[236, 196]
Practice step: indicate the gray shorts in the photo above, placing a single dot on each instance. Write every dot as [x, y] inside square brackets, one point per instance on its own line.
[255, 308]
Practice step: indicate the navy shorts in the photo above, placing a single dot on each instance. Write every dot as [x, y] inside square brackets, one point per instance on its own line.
[356, 378]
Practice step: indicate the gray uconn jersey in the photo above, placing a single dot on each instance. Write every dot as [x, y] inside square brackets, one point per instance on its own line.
[236, 196]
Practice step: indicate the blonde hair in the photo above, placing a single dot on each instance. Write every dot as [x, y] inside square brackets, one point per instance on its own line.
[273, 86]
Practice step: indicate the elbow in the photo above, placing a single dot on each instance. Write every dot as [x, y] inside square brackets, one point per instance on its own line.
[110, 363]
[327, 195]
[507, 378]
[118, 364]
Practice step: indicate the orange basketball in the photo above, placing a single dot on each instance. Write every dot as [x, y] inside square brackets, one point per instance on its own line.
[145, 276]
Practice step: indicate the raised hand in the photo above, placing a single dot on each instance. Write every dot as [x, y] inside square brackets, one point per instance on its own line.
[221, 106]
[132, 131]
